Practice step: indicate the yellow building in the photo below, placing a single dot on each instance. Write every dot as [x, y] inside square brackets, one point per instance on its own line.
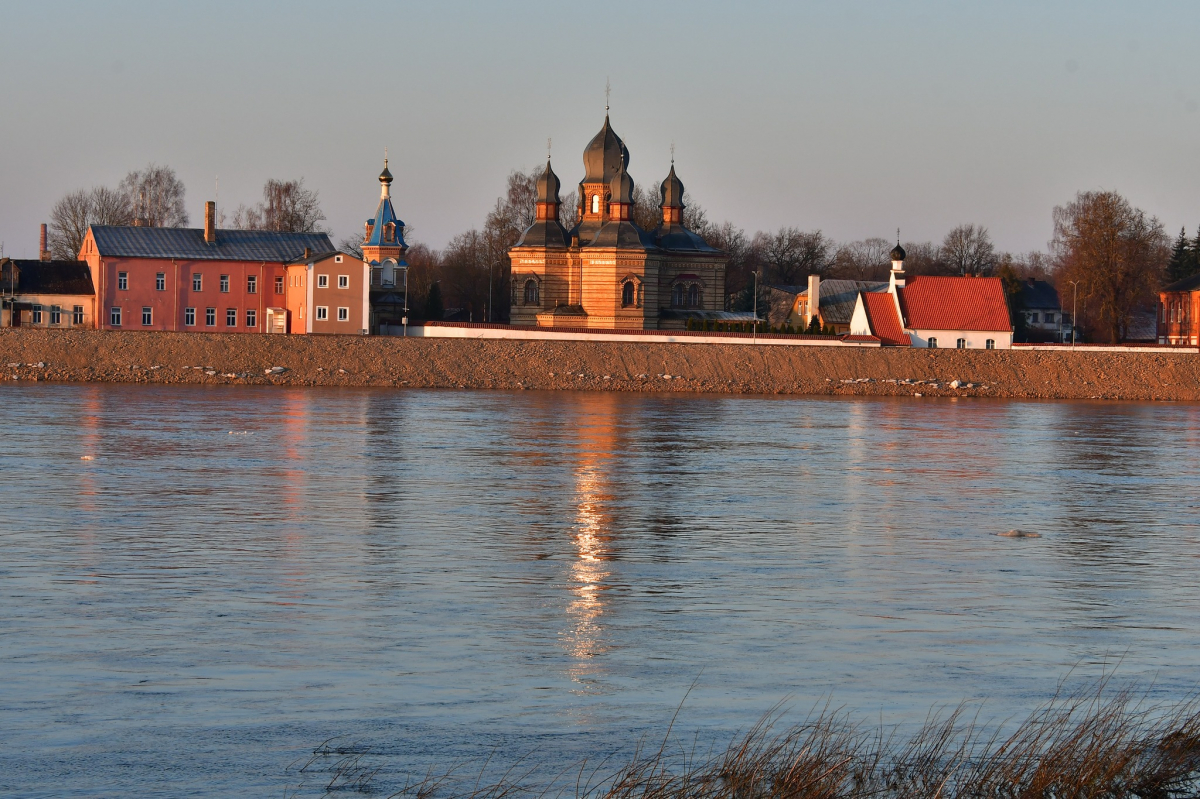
[46, 294]
[608, 273]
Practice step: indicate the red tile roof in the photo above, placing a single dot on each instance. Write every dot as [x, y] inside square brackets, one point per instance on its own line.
[955, 303]
[884, 321]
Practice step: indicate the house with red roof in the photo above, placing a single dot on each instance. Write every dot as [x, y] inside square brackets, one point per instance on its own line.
[934, 311]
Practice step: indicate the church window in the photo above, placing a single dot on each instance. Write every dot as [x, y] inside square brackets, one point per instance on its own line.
[389, 232]
[531, 293]
[693, 296]
[627, 294]
[595, 203]
[679, 295]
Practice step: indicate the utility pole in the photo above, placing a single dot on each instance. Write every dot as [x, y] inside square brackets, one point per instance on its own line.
[754, 328]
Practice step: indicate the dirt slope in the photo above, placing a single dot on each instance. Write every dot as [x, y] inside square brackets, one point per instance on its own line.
[73, 355]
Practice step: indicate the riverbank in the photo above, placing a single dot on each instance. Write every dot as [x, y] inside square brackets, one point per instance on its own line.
[213, 358]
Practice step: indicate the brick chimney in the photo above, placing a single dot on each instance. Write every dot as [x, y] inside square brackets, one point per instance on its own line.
[210, 223]
[43, 250]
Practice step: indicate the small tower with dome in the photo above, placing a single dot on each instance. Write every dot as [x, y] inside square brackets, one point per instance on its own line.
[383, 244]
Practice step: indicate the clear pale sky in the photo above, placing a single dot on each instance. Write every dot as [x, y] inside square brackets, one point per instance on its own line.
[852, 117]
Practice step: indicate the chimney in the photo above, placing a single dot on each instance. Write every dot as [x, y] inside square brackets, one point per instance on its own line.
[814, 298]
[210, 223]
[307, 252]
[43, 250]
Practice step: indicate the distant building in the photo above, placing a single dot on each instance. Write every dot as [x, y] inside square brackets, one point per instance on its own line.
[1043, 316]
[607, 272]
[1179, 312]
[46, 293]
[194, 279]
[835, 302]
[934, 311]
[328, 293]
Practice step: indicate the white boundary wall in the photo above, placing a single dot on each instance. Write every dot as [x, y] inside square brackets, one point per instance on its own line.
[1105, 348]
[660, 337]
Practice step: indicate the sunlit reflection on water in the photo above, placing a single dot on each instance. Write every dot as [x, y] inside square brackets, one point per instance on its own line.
[449, 573]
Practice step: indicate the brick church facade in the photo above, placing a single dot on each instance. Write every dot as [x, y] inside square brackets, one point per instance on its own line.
[606, 272]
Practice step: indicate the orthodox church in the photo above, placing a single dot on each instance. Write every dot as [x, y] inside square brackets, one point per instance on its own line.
[383, 249]
[607, 272]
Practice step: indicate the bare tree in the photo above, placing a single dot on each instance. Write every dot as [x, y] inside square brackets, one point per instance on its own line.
[968, 248]
[1115, 251]
[156, 196]
[286, 207]
[790, 254]
[867, 259]
[73, 214]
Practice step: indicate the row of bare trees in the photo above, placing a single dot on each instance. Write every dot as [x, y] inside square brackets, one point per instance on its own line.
[155, 197]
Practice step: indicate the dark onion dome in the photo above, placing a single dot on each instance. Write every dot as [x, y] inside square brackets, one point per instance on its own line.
[897, 252]
[602, 155]
[672, 191]
[385, 176]
[547, 186]
[621, 187]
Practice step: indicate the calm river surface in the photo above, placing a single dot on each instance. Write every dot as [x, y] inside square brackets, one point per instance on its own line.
[442, 575]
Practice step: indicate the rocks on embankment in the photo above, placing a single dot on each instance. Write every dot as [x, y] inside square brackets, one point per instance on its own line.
[135, 357]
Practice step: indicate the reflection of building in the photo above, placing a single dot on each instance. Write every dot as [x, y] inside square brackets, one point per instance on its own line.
[607, 272]
[934, 311]
[383, 249]
[1179, 312]
[46, 294]
[227, 281]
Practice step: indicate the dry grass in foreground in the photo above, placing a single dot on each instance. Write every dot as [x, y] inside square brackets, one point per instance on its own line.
[1087, 744]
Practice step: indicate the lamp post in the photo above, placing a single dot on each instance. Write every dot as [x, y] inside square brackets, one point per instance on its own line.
[404, 319]
[1074, 305]
[754, 324]
[488, 316]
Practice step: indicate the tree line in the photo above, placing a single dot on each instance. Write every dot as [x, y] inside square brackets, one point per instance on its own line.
[1110, 255]
[155, 197]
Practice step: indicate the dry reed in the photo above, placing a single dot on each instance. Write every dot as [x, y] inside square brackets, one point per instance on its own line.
[1098, 743]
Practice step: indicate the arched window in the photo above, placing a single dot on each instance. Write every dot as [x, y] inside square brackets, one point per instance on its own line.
[628, 293]
[693, 296]
[531, 292]
[595, 203]
[933, 343]
[990, 344]
[679, 296]
[961, 344]
[389, 232]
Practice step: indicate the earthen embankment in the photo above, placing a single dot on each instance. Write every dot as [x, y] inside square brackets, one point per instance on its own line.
[199, 358]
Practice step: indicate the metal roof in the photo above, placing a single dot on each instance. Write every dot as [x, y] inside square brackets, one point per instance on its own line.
[1191, 283]
[838, 298]
[933, 302]
[49, 277]
[1038, 294]
[188, 244]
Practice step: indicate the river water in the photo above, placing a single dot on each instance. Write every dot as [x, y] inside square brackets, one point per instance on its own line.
[200, 585]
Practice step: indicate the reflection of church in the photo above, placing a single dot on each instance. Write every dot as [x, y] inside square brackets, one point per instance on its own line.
[607, 272]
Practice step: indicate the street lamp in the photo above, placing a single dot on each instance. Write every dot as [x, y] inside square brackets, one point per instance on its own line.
[754, 324]
[488, 316]
[1074, 305]
[404, 319]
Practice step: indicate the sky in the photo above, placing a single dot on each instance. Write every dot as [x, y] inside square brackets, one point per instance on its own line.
[854, 118]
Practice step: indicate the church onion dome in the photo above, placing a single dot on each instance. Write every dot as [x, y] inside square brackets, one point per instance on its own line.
[385, 177]
[603, 154]
[897, 252]
[547, 186]
[672, 191]
[621, 187]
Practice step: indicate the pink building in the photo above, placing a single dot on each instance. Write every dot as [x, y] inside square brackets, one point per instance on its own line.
[189, 279]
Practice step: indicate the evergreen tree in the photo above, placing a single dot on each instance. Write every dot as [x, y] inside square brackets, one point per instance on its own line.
[1183, 258]
[433, 303]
